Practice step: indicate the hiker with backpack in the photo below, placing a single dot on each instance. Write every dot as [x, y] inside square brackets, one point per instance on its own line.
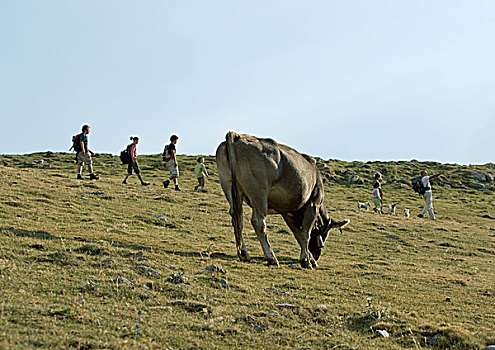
[83, 154]
[170, 160]
[423, 187]
[132, 163]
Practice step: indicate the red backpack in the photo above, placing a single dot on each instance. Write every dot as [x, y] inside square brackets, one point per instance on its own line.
[76, 144]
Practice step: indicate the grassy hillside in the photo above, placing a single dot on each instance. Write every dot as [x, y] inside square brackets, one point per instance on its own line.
[87, 265]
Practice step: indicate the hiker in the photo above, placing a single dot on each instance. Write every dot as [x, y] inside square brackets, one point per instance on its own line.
[377, 178]
[200, 171]
[83, 155]
[170, 159]
[425, 181]
[133, 164]
[377, 198]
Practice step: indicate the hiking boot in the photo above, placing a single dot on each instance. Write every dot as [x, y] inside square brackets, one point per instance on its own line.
[93, 177]
[166, 183]
[124, 182]
[145, 183]
[79, 177]
[177, 188]
[195, 188]
[420, 216]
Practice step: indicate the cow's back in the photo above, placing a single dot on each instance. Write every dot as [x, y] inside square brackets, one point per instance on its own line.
[264, 168]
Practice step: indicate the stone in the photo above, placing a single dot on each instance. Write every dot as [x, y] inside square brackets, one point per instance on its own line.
[287, 306]
[392, 237]
[81, 239]
[63, 251]
[274, 313]
[214, 268]
[476, 185]
[37, 246]
[107, 262]
[161, 217]
[190, 306]
[383, 333]
[171, 267]
[148, 270]
[122, 280]
[488, 177]
[276, 290]
[224, 283]
[148, 285]
[96, 193]
[433, 341]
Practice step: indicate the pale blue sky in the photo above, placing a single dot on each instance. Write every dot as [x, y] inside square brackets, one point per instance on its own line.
[352, 80]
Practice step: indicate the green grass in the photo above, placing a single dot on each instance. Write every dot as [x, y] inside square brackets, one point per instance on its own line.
[432, 287]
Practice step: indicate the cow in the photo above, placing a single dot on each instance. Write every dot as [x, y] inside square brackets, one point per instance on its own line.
[273, 178]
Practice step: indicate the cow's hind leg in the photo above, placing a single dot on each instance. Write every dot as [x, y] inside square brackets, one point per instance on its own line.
[242, 252]
[236, 214]
[258, 221]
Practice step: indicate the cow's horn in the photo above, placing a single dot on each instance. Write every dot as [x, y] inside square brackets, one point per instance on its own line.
[321, 244]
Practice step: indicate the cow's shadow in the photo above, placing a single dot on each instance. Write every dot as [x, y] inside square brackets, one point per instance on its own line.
[283, 260]
[198, 254]
[38, 234]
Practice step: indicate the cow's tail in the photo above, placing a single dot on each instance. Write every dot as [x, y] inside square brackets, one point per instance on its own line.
[236, 205]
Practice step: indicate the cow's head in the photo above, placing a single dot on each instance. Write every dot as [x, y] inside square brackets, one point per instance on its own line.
[319, 234]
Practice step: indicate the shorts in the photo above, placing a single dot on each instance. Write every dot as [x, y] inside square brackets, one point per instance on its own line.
[174, 169]
[83, 159]
[134, 166]
[201, 181]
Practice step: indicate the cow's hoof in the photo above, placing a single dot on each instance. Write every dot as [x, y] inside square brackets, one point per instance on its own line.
[272, 262]
[244, 256]
[305, 264]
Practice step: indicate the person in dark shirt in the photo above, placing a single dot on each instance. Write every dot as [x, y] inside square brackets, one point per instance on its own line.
[170, 159]
[83, 155]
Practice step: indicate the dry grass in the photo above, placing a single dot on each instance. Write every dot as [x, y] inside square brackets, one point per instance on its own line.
[431, 285]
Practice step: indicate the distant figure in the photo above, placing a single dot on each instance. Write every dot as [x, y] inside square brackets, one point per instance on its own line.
[170, 159]
[200, 171]
[377, 198]
[83, 155]
[425, 180]
[377, 178]
[134, 164]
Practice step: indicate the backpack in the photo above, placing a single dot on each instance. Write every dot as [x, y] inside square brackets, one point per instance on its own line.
[418, 186]
[166, 154]
[125, 156]
[76, 144]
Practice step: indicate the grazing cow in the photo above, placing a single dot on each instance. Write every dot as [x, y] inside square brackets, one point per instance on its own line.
[274, 178]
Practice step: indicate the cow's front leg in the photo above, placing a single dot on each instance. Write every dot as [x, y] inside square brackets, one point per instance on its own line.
[294, 221]
[259, 225]
[309, 216]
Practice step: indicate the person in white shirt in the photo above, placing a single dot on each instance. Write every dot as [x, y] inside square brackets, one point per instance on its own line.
[425, 179]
